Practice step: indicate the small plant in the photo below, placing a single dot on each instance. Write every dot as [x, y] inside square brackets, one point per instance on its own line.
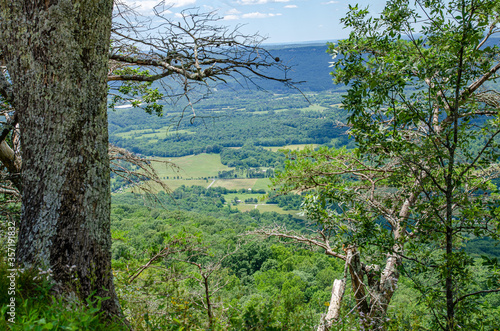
[38, 308]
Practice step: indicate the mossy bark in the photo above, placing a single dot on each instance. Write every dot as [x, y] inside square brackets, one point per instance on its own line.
[56, 53]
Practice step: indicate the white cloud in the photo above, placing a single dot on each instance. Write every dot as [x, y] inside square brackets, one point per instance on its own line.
[179, 3]
[259, 15]
[231, 17]
[233, 11]
[290, 6]
[329, 2]
[259, 2]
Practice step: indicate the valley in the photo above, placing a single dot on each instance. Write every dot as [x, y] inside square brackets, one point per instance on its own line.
[162, 171]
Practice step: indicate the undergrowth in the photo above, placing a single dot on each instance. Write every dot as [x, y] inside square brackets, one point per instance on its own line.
[38, 308]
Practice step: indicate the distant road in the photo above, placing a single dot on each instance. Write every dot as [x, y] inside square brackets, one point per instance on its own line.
[213, 181]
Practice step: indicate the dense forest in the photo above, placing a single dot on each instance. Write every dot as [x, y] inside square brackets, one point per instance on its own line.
[199, 180]
[225, 121]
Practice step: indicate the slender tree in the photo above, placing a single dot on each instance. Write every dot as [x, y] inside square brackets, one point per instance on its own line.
[423, 107]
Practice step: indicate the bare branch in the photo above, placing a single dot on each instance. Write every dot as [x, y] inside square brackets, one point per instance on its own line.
[145, 178]
[281, 232]
[475, 293]
[194, 50]
[479, 82]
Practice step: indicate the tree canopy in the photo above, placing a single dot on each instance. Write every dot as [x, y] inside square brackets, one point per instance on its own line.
[423, 110]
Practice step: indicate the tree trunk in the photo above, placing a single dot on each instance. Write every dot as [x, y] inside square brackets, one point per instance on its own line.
[381, 291]
[357, 274]
[12, 163]
[333, 313]
[56, 53]
[209, 304]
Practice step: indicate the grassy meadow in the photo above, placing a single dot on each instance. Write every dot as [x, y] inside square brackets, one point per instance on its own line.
[191, 166]
[162, 132]
[201, 170]
[291, 147]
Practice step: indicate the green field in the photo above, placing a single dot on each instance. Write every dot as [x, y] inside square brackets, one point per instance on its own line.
[208, 165]
[263, 208]
[202, 170]
[314, 107]
[236, 184]
[191, 166]
[244, 196]
[193, 169]
[291, 147]
[262, 184]
[260, 205]
[153, 133]
[172, 184]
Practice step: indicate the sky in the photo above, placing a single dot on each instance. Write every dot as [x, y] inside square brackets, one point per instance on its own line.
[280, 21]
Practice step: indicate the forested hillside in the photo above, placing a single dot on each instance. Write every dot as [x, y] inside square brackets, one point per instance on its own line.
[165, 172]
[259, 118]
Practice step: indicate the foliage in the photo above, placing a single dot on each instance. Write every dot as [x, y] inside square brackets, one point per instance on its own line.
[426, 138]
[225, 120]
[134, 89]
[273, 284]
[170, 290]
[37, 308]
[288, 201]
[250, 156]
[419, 182]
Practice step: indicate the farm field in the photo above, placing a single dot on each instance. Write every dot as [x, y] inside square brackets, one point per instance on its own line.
[244, 196]
[260, 205]
[194, 167]
[263, 208]
[191, 166]
[172, 184]
[290, 147]
[314, 107]
[153, 133]
[262, 184]
[199, 170]
[235, 184]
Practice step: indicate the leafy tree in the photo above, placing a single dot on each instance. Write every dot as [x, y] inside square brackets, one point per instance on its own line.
[58, 57]
[424, 113]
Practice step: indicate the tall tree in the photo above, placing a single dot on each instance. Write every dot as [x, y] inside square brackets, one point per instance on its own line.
[423, 107]
[56, 54]
[54, 86]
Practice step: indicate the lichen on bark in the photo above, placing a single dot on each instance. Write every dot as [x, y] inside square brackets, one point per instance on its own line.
[56, 53]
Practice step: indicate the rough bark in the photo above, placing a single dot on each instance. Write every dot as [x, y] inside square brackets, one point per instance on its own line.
[56, 53]
[209, 304]
[336, 300]
[357, 275]
[12, 163]
[333, 313]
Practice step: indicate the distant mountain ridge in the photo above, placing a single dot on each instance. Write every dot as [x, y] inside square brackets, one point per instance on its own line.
[310, 64]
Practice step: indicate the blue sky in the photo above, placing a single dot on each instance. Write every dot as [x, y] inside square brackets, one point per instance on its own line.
[281, 21]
